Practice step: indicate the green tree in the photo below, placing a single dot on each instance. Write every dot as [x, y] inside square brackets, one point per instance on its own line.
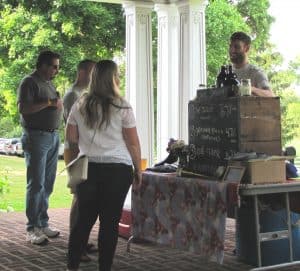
[283, 82]
[291, 121]
[294, 65]
[76, 29]
[256, 16]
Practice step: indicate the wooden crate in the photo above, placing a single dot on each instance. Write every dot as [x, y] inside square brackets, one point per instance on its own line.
[262, 171]
[219, 128]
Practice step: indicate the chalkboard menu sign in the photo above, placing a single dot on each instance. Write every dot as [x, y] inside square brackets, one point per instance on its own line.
[219, 128]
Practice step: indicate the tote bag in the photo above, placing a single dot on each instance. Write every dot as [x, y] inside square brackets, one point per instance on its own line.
[77, 170]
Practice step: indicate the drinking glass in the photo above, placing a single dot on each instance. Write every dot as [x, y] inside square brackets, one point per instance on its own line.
[143, 164]
[245, 87]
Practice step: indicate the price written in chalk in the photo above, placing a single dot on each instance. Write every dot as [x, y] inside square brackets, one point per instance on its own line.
[212, 133]
[223, 111]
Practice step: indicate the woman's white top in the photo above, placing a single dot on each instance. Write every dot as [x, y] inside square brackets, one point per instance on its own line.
[108, 145]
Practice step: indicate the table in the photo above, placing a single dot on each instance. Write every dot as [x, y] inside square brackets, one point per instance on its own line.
[290, 191]
[190, 213]
[186, 213]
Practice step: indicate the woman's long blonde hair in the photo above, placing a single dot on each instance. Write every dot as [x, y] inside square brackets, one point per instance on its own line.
[103, 91]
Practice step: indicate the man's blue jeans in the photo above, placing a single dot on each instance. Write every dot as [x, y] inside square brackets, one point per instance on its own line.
[41, 155]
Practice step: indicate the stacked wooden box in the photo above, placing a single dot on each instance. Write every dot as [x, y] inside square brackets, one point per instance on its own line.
[221, 126]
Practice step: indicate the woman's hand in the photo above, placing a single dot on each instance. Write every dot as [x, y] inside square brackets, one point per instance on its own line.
[133, 145]
[137, 180]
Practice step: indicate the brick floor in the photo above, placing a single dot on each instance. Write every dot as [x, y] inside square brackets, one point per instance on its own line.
[18, 255]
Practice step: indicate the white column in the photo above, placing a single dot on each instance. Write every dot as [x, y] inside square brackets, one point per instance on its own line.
[192, 56]
[167, 76]
[139, 77]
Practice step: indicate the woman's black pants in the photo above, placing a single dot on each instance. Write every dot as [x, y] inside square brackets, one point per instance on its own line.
[103, 195]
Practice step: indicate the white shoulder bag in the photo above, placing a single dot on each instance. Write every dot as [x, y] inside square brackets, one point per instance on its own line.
[78, 168]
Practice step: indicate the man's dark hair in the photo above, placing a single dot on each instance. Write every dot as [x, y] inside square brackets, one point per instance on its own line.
[241, 36]
[85, 64]
[46, 57]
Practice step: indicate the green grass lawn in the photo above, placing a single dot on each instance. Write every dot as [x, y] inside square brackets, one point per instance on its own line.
[14, 168]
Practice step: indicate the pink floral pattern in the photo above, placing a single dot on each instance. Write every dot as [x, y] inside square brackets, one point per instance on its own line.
[185, 213]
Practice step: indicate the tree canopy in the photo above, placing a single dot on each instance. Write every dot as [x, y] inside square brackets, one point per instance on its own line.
[74, 29]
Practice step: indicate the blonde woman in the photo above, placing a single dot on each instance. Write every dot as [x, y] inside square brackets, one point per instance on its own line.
[102, 126]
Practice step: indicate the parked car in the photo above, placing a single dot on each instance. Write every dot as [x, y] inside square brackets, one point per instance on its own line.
[6, 146]
[10, 146]
[19, 149]
[2, 146]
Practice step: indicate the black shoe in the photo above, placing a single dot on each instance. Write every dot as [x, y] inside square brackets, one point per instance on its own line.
[85, 258]
[90, 248]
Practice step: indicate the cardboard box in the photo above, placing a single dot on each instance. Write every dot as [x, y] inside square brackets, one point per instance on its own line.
[259, 171]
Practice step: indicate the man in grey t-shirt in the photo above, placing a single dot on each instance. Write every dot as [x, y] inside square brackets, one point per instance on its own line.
[238, 51]
[84, 69]
[40, 108]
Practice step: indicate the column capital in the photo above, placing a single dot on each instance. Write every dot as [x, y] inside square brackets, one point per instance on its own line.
[130, 6]
[164, 7]
[167, 13]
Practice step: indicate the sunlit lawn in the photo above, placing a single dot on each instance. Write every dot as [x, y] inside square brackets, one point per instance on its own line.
[14, 168]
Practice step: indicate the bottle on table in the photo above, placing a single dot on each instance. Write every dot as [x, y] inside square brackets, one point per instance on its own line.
[202, 86]
[221, 78]
[232, 82]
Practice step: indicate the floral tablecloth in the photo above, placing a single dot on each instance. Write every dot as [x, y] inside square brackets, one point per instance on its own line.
[185, 213]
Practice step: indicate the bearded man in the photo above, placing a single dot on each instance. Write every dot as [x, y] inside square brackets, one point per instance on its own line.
[238, 52]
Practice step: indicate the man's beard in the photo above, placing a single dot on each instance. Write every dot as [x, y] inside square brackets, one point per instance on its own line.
[237, 58]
